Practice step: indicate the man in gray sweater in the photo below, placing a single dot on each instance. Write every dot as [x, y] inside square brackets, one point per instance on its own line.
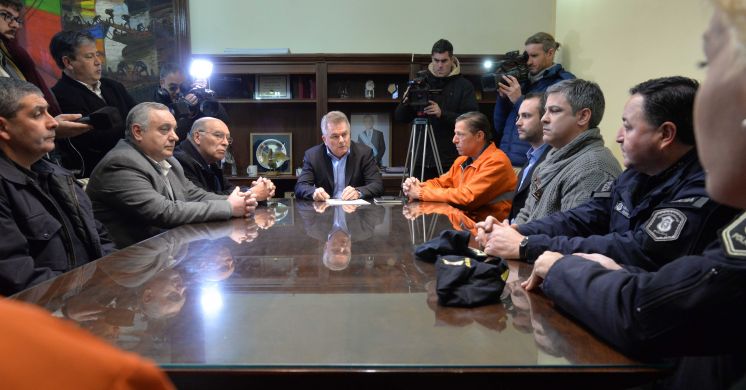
[579, 163]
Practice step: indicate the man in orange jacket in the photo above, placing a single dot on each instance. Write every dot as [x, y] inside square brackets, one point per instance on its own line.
[48, 353]
[480, 181]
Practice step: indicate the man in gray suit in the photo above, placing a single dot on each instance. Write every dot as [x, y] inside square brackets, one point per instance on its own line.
[138, 189]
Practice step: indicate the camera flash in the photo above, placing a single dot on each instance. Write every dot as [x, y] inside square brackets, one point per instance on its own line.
[487, 64]
[200, 69]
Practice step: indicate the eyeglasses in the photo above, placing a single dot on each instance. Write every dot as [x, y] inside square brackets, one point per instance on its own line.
[219, 136]
[9, 18]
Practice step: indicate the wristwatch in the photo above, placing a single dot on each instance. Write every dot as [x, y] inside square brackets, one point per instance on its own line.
[522, 247]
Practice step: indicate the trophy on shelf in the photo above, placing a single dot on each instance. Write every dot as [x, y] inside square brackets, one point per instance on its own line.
[393, 89]
[271, 154]
[230, 160]
[370, 89]
[344, 91]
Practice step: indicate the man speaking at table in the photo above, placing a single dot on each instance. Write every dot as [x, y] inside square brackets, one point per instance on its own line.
[338, 168]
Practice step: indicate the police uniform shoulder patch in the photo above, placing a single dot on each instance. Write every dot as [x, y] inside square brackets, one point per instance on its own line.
[665, 225]
[734, 238]
[695, 201]
[606, 187]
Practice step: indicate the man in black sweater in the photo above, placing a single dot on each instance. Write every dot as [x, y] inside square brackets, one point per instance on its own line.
[82, 90]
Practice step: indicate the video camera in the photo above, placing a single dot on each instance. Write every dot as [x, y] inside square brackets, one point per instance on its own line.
[420, 92]
[514, 64]
[206, 104]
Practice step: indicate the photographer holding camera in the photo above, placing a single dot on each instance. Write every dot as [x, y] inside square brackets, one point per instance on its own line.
[441, 94]
[542, 73]
[187, 103]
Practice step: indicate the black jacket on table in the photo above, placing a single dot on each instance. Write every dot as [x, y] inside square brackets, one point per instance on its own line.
[46, 224]
[456, 97]
[75, 98]
[209, 177]
[361, 172]
[637, 220]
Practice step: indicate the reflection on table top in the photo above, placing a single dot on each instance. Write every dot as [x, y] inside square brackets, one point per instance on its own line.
[308, 286]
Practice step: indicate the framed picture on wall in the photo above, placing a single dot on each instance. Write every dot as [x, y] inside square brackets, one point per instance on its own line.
[373, 130]
[134, 37]
[272, 153]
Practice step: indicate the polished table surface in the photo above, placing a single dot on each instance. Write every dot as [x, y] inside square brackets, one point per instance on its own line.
[223, 302]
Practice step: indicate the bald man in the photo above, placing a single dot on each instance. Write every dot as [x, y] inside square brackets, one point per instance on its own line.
[208, 140]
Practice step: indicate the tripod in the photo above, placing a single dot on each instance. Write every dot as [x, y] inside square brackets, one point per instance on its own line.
[422, 133]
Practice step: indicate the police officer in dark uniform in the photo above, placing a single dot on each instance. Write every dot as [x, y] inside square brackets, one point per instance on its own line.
[642, 221]
[692, 307]
[654, 212]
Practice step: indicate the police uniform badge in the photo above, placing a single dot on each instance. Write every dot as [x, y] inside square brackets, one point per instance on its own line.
[665, 225]
[734, 238]
[621, 208]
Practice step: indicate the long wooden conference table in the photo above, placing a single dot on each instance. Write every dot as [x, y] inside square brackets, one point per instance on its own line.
[332, 296]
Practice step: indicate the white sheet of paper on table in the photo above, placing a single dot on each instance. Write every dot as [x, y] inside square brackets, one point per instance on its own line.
[337, 202]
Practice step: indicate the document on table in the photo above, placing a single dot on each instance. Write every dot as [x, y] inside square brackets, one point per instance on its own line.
[337, 202]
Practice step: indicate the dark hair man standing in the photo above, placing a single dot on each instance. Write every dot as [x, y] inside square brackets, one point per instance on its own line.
[543, 72]
[82, 90]
[456, 97]
[16, 63]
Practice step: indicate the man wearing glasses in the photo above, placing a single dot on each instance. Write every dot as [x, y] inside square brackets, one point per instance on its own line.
[16, 63]
[10, 22]
[139, 190]
[208, 140]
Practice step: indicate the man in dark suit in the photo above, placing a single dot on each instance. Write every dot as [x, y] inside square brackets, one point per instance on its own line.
[82, 90]
[372, 138]
[338, 168]
[530, 130]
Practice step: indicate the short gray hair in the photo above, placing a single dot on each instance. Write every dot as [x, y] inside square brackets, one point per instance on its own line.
[199, 125]
[582, 94]
[140, 114]
[11, 93]
[333, 117]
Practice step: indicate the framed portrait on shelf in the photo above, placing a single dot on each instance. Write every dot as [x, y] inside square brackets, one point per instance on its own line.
[373, 130]
[272, 87]
[272, 153]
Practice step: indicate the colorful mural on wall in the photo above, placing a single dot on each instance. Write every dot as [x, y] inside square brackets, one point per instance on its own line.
[135, 36]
